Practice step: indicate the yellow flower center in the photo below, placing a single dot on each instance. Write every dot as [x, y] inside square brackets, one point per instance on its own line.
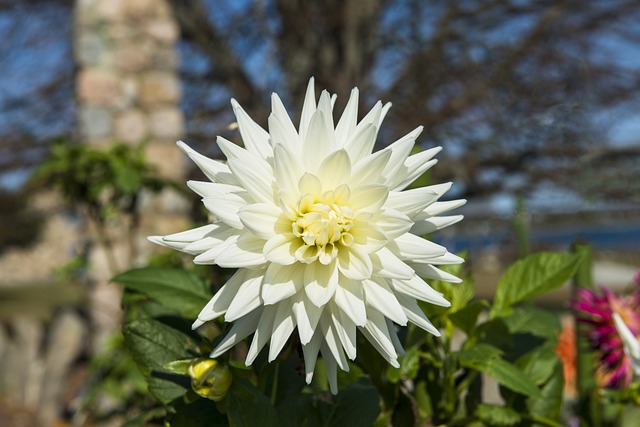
[323, 224]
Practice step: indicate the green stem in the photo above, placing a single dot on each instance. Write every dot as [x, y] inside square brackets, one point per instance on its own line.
[541, 420]
[274, 384]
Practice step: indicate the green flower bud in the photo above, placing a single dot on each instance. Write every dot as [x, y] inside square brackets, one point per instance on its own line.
[210, 379]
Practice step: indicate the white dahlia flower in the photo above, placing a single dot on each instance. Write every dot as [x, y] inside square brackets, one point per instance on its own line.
[324, 238]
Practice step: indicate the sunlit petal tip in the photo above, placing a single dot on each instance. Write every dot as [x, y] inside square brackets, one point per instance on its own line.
[322, 235]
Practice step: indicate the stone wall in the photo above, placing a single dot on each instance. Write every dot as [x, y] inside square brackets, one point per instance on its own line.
[128, 88]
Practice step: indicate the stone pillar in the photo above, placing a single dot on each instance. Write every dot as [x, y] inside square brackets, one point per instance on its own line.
[128, 90]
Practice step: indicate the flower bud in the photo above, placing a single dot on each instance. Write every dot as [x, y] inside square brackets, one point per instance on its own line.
[210, 379]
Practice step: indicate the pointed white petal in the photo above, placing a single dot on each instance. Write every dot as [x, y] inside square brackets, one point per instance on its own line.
[288, 171]
[400, 151]
[209, 256]
[218, 305]
[347, 122]
[429, 225]
[332, 343]
[379, 296]
[386, 264]
[280, 249]
[225, 207]
[308, 108]
[316, 143]
[412, 202]
[447, 258]
[430, 272]
[246, 252]
[393, 334]
[239, 331]
[255, 139]
[354, 263]
[360, 143]
[368, 198]
[283, 326]
[377, 333]
[345, 329]
[335, 170]
[215, 170]
[262, 334]
[349, 297]
[439, 208]
[281, 282]
[261, 219]
[416, 315]
[247, 298]
[306, 315]
[411, 247]
[320, 282]
[310, 353]
[419, 289]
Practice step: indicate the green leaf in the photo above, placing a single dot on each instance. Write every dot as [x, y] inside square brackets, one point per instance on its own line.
[511, 377]
[549, 403]
[467, 317]
[533, 276]
[409, 364]
[180, 367]
[478, 356]
[357, 405]
[182, 291]
[539, 364]
[248, 407]
[201, 412]
[154, 344]
[494, 415]
[535, 321]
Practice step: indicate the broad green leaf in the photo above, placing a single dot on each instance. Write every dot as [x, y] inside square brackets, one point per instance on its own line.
[549, 403]
[511, 377]
[535, 321]
[539, 364]
[531, 277]
[182, 291]
[494, 415]
[478, 356]
[248, 407]
[357, 405]
[154, 344]
[180, 367]
[167, 388]
[409, 364]
[467, 317]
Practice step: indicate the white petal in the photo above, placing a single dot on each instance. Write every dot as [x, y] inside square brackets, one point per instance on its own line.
[321, 282]
[306, 315]
[287, 171]
[261, 219]
[412, 202]
[412, 247]
[439, 208]
[218, 305]
[347, 122]
[393, 223]
[386, 264]
[332, 343]
[316, 147]
[369, 198]
[447, 258]
[414, 166]
[239, 331]
[361, 142]
[330, 369]
[400, 151]
[259, 183]
[225, 207]
[379, 296]
[309, 184]
[334, 170]
[209, 256]
[354, 263]
[416, 315]
[430, 272]
[393, 334]
[419, 289]
[346, 331]
[429, 225]
[215, 170]
[349, 297]
[281, 282]
[369, 169]
[262, 334]
[377, 333]
[283, 326]
[247, 298]
[310, 352]
[630, 342]
[308, 108]
[280, 249]
[246, 252]
[193, 234]
[255, 139]
[287, 130]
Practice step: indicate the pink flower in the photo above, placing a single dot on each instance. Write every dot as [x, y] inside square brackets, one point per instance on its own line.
[596, 310]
